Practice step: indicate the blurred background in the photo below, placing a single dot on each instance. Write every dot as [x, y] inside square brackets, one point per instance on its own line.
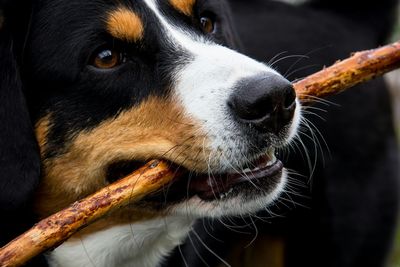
[394, 80]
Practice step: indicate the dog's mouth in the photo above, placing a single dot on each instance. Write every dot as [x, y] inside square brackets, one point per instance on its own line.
[210, 187]
[263, 172]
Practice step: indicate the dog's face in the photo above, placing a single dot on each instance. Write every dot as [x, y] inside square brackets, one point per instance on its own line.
[116, 83]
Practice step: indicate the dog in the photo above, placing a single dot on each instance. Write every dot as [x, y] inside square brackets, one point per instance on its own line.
[91, 90]
[341, 210]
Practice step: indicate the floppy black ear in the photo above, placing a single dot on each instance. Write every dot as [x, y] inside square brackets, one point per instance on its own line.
[19, 155]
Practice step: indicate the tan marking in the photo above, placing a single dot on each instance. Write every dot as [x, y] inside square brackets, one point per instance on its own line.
[266, 250]
[124, 24]
[1, 19]
[184, 6]
[41, 132]
[158, 128]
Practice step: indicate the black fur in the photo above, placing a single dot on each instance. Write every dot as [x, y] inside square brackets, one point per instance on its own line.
[352, 203]
[19, 157]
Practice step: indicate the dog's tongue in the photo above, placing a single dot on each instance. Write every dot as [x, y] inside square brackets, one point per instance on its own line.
[212, 186]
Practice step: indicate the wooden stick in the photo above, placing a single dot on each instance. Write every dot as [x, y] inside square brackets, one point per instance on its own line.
[54, 230]
[361, 67]
[57, 228]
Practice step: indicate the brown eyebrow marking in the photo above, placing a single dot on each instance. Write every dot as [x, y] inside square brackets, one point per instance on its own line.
[125, 24]
[1, 19]
[184, 6]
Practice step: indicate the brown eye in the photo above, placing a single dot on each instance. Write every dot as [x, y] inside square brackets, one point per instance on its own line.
[207, 24]
[107, 59]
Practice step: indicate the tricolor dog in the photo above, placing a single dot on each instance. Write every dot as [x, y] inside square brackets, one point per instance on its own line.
[91, 90]
[112, 84]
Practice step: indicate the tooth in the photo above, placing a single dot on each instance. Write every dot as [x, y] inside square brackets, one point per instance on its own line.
[272, 161]
[225, 195]
[247, 170]
[271, 151]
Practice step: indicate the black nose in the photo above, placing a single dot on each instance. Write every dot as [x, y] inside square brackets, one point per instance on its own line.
[266, 102]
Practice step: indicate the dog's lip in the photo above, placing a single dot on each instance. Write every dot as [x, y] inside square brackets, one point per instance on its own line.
[209, 187]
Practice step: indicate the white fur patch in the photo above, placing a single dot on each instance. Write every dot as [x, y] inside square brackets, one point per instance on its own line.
[140, 244]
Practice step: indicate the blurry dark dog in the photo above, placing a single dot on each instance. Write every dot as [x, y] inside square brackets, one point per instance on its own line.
[351, 207]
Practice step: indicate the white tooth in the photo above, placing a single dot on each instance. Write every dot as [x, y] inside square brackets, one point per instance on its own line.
[271, 151]
[272, 161]
[225, 195]
[247, 170]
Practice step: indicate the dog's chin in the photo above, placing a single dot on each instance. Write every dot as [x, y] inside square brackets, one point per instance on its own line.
[236, 192]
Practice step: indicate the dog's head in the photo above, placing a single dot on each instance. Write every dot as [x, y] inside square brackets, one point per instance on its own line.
[112, 84]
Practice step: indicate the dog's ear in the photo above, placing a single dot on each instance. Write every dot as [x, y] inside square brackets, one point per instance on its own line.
[19, 155]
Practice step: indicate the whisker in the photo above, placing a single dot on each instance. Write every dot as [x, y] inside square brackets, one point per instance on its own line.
[255, 233]
[275, 57]
[304, 152]
[320, 100]
[234, 228]
[183, 257]
[87, 253]
[317, 136]
[210, 250]
[306, 108]
[208, 232]
[195, 249]
[307, 55]
[299, 69]
[314, 115]
[286, 57]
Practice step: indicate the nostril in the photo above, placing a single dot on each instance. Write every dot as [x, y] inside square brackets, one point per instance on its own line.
[263, 107]
[290, 98]
[249, 108]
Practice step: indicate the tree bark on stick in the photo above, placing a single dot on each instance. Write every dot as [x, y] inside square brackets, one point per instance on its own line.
[54, 230]
[361, 67]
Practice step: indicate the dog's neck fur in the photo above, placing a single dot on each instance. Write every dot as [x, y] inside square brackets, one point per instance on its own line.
[140, 244]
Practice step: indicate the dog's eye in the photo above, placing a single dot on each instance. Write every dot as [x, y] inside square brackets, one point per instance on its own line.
[107, 59]
[207, 24]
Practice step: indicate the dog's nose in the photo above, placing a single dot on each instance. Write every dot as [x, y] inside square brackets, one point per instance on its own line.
[266, 102]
